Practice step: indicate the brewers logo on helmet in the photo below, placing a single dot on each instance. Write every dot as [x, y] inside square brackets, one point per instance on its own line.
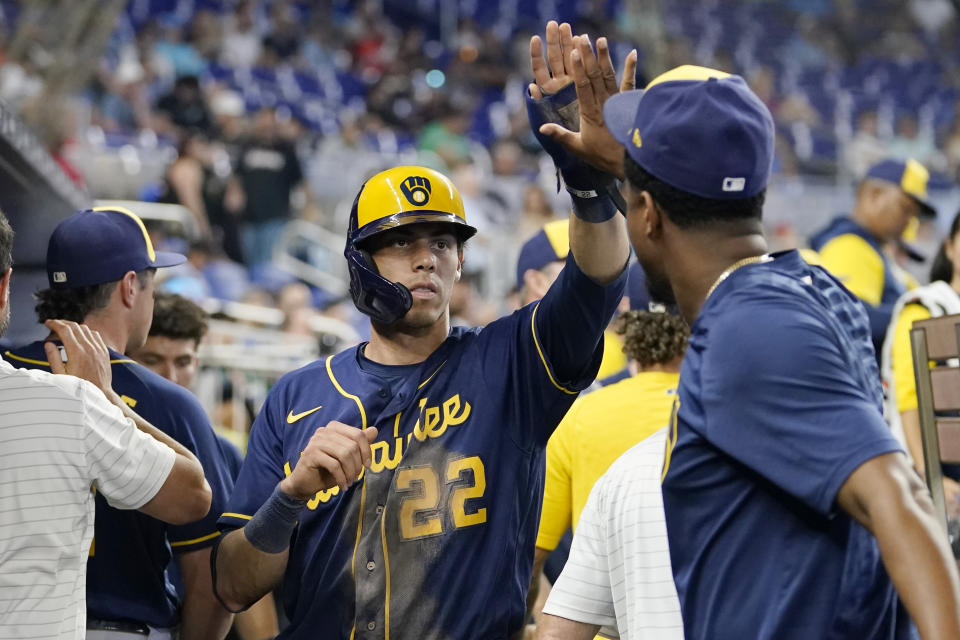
[391, 199]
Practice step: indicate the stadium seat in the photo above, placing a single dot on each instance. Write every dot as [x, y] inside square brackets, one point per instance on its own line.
[938, 397]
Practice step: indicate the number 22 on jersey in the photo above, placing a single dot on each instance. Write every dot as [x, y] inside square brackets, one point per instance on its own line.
[420, 509]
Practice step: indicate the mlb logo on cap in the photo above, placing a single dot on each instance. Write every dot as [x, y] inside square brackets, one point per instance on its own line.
[734, 184]
[101, 245]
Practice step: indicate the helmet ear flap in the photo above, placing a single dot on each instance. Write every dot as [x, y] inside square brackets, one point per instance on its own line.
[384, 301]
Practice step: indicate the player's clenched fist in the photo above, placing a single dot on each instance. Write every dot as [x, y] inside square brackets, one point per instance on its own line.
[334, 456]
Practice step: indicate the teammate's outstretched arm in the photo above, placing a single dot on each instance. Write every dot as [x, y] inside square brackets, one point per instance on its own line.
[598, 237]
[185, 495]
[888, 498]
[250, 562]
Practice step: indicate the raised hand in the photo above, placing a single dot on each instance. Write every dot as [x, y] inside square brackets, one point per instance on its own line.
[595, 80]
[87, 353]
[560, 45]
[333, 457]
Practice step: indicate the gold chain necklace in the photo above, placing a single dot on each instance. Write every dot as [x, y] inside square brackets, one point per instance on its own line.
[736, 265]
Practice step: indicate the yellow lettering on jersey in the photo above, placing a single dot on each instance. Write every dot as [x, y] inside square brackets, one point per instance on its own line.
[386, 455]
[381, 458]
[130, 402]
[432, 425]
[323, 495]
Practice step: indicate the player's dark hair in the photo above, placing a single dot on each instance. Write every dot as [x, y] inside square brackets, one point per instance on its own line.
[941, 268]
[6, 244]
[77, 303]
[177, 318]
[652, 337]
[687, 210]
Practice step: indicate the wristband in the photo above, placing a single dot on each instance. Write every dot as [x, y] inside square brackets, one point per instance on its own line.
[270, 528]
[594, 193]
[598, 208]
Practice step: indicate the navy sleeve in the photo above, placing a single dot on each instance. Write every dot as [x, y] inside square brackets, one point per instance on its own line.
[193, 431]
[543, 355]
[780, 396]
[569, 324]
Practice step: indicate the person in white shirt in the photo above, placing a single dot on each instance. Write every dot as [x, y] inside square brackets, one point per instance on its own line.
[62, 438]
[618, 574]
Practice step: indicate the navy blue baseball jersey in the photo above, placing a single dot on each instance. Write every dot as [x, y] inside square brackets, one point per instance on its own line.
[126, 569]
[436, 539]
[779, 402]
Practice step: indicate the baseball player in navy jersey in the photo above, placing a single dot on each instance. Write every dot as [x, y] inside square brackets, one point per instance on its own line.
[100, 265]
[393, 488]
[791, 510]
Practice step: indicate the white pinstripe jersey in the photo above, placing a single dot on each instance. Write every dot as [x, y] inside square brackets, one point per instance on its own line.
[618, 573]
[60, 437]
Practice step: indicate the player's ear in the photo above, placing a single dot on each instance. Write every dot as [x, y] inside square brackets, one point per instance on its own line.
[533, 281]
[652, 215]
[5, 288]
[129, 287]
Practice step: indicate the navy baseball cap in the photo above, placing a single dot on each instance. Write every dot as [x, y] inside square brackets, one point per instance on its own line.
[699, 130]
[548, 245]
[101, 245]
[909, 175]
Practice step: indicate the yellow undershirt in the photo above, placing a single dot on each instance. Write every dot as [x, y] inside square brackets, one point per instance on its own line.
[901, 356]
[598, 428]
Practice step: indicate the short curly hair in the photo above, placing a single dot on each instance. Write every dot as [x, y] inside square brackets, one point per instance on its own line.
[77, 303]
[178, 318]
[652, 337]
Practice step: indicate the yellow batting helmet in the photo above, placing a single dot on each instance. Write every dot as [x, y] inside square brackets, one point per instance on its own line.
[394, 198]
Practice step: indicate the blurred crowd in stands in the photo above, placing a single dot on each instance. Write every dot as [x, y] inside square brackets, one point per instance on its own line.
[251, 114]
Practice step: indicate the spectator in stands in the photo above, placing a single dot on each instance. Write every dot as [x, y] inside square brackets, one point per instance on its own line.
[60, 436]
[295, 300]
[446, 135]
[855, 248]
[805, 46]
[241, 41]
[228, 110]
[910, 141]
[54, 124]
[124, 105]
[171, 351]
[101, 267]
[951, 147]
[940, 297]
[267, 173]
[865, 148]
[206, 34]
[506, 159]
[597, 430]
[190, 181]
[283, 41]
[322, 42]
[184, 108]
[174, 53]
[535, 212]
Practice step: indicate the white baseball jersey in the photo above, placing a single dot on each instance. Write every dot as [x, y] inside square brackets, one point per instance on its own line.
[618, 573]
[60, 440]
